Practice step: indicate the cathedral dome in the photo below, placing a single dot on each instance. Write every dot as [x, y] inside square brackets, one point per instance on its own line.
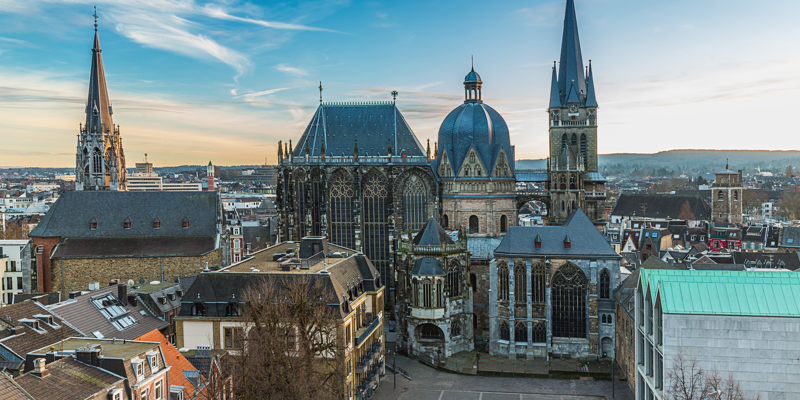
[474, 125]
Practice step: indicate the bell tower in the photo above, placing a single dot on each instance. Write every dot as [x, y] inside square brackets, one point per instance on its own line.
[574, 177]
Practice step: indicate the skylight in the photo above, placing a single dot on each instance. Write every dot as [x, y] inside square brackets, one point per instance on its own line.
[110, 307]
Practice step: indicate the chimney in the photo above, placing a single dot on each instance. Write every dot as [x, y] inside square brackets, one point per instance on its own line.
[122, 293]
[39, 367]
[88, 355]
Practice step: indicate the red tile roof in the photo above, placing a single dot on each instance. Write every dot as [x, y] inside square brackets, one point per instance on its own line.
[174, 359]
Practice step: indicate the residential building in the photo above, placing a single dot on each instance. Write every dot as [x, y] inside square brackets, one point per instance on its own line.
[110, 312]
[27, 326]
[99, 236]
[141, 365]
[789, 238]
[70, 378]
[181, 370]
[151, 182]
[705, 317]
[691, 208]
[768, 260]
[163, 299]
[210, 317]
[553, 292]
[725, 238]
[15, 270]
[754, 238]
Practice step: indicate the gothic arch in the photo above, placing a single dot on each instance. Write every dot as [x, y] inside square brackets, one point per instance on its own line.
[300, 201]
[605, 284]
[564, 141]
[341, 197]
[454, 278]
[568, 293]
[502, 281]
[375, 217]
[415, 198]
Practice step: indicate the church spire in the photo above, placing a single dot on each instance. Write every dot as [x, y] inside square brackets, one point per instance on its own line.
[555, 99]
[98, 106]
[570, 71]
[591, 101]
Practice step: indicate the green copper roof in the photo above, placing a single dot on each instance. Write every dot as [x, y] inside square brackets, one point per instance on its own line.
[754, 293]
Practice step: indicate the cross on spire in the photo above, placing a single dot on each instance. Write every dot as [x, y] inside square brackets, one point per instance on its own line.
[320, 92]
[95, 18]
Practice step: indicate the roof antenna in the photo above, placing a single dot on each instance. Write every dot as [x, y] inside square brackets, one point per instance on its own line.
[95, 18]
[320, 92]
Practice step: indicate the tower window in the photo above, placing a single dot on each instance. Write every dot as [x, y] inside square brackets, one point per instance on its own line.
[735, 195]
[97, 161]
[473, 224]
[93, 225]
[503, 223]
[720, 196]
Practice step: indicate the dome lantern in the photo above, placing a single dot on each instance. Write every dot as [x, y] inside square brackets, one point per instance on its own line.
[472, 87]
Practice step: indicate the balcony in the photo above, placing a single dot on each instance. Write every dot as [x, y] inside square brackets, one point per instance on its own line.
[362, 366]
[599, 194]
[586, 122]
[363, 333]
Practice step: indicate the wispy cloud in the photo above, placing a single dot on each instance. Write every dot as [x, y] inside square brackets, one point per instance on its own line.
[249, 96]
[215, 11]
[14, 41]
[291, 70]
[546, 14]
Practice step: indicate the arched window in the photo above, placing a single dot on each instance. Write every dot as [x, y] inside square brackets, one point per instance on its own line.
[502, 281]
[455, 329]
[341, 210]
[610, 319]
[429, 331]
[427, 291]
[466, 170]
[563, 182]
[720, 196]
[473, 224]
[503, 223]
[445, 221]
[454, 280]
[415, 292]
[574, 139]
[300, 201]
[572, 185]
[439, 295]
[564, 141]
[583, 149]
[414, 203]
[603, 319]
[97, 161]
[521, 332]
[317, 198]
[520, 284]
[376, 222]
[539, 333]
[735, 195]
[505, 333]
[562, 206]
[537, 283]
[568, 292]
[605, 284]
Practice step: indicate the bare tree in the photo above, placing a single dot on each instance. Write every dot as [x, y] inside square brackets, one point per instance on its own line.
[292, 348]
[686, 379]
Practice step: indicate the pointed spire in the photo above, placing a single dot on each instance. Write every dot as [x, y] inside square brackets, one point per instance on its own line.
[555, 99]
[572, 96]
[429, 150]
[571, 64]
[590, 99]
[98, 112]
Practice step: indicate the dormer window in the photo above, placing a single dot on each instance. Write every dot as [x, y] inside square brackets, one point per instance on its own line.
[538, 242]
[31, 323]
[127, 223]
[198, 309]
[567, 242]
[162, 300]
[47, 319]
[179, 293]
[185, 222]
[232, 310]
[171, 296]
[93, 224]
[156, 223]
[152, 359]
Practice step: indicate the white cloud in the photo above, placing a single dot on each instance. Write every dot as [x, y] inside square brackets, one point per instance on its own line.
[291, 70]
[263, 93]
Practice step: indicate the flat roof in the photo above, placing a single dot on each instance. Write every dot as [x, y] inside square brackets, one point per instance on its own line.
[123, 349]
[745, 293]
[149, 288]
[262, 260]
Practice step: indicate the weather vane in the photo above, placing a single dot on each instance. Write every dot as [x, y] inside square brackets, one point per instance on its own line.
[95, 18]
[320, 92]
[394, 96]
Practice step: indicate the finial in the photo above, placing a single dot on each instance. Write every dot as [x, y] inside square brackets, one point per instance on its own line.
[394, 96]
[726, 164]
[554, 64]
[320, 92]
[472, 62]
[95, 18]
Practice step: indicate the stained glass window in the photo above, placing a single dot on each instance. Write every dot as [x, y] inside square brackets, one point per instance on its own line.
[568, 293]
[521, 332]
[605, 281]
[520, 284]
[341, 210]
[414, 203]
[376, 228]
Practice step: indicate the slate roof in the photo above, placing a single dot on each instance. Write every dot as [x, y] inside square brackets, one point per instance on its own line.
[24, 339]
[159, 295]
[749, 293]
[660, 206]
[68, 379]
[790, 237]
[135, 247]
[427, 266]
[586, 240]
[790, 261]
[10, 390]
[71, 214]
[432, 234]
[86, 317]
[482, 248]
[98, 106]
[376, 126]
[173, 358]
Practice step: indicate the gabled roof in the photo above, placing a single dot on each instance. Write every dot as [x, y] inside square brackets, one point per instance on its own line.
[432, 234]
[23, 339]
[376, 126]
[586, 240]
[427, 266]
[68, 379]
[173, 358]
[790, 261]
[790, 237]
[70, 215]
[10, 390]
[747, 293]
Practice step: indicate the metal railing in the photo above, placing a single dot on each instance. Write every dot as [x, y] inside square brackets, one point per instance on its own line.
[364, 335]
[586, 122]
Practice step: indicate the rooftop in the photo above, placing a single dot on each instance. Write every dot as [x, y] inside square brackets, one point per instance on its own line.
[284, 258]
[68, 379]
[121, 349]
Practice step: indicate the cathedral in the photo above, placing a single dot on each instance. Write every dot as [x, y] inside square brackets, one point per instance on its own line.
[431, 221]
[99, 160]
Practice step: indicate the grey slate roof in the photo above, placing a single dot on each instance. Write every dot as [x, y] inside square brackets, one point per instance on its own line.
[432, 234]
[790, 237]
[427, 266]
[98, 106]
[586, 241]
[376, 126]
[571, 85]
[790, 261]
[482, 248]
[660, 206]
[71, 214]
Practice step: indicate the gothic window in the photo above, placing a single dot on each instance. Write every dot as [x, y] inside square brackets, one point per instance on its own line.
[563, 183]
[473, 224]
[300, 201]
[472, 157]
[605, 283]
[568, 293]
[572, 182]
[603, 319]
[455, 329]
[97, 161]
[477, 171]
[316, 209]
[720, 196]
[521, 332]
[564, 142]
[439, 302]
[562, 206]
[503, 223]
[427, 288]
[583, 150]
[414, 203]
[466, 171]
[539, 333]
[537, 283]
[505, 333]
[342, 225]
[454, 280]
[376, 222]
[445, 222]
[520, 284]
[574, 140]
[502, 281]
[415, 292]
[735, 195]
[429, 331]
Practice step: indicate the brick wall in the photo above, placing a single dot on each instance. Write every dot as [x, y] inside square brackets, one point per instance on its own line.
[43, 262]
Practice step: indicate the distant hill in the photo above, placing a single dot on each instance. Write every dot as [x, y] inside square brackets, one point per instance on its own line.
[690, 161]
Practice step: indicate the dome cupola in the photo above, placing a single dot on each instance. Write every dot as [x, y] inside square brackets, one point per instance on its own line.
[472, 87]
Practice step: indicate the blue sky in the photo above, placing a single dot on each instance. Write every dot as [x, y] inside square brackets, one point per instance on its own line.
[193, 81]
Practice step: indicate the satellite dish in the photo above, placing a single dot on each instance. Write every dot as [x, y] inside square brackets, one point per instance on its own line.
[130, 282]
[141, 281]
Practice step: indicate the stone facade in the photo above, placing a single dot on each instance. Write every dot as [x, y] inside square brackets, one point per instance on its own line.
[625, 349]
[727, 194]
[69, 275]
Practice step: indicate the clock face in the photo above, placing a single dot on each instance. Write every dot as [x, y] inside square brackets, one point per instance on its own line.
[573, 108]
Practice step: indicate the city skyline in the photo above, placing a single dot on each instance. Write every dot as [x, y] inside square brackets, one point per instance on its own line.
[193, 81]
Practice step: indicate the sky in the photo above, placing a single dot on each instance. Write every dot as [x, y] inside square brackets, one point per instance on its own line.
[195, 81]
